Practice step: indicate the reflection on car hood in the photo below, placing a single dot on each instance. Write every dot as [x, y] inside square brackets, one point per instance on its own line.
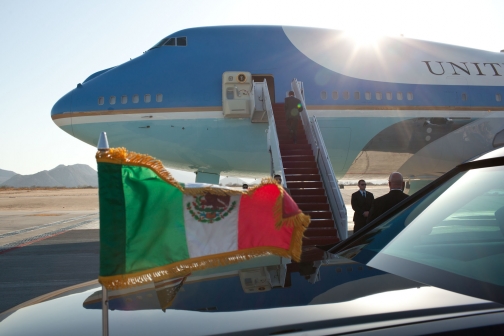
[324, 291]
[66, 316]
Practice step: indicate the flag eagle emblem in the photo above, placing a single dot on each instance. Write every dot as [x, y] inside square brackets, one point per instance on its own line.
[210, 208]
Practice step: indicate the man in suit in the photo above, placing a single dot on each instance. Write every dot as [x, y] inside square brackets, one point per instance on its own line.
[278, 179]
[387, 201]
[292, 109]
[361, 203]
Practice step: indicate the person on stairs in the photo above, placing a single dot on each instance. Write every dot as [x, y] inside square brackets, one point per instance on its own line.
[292, 109]
[278, 179]
[361, 204]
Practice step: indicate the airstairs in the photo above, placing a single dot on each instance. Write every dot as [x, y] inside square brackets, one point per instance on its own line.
[306, 171]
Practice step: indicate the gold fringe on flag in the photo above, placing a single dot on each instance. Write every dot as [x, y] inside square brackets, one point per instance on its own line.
[185, 267]
[123, 157]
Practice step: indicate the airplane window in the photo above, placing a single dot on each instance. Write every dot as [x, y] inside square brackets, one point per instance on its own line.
[498, 97]
[124, 99]
[135, 99]
[464, 96]
[367, 95]
[112, 100]
[356, 95]
[159, 97]
[335, 95]
[389, 95]
[147, 98]
[182, 41]
[399, 95]
[409, 95]
[346, 95]
[323, 95]
[101, 100]
[170, 42]
[378, 96]
[160, 43]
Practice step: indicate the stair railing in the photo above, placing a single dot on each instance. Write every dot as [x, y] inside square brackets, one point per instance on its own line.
[273, 142]
[314, 136]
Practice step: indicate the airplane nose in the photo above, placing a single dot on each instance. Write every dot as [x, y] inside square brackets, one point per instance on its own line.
[60, 113]
[63, 105]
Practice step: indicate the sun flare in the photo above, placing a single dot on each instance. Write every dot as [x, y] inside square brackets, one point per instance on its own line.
[364, 37]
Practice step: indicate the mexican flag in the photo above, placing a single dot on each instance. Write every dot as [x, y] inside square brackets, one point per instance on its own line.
[153, 228]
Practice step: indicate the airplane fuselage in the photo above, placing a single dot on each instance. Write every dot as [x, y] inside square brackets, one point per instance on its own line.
[400, 104]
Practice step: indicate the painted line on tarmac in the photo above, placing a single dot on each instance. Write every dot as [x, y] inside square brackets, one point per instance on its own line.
[13, 233]
[20, 243]
[9, 248]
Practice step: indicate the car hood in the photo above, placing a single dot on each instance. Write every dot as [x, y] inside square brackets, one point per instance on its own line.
[328, 292]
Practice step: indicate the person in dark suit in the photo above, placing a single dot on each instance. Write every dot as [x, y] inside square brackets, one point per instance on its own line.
[292, 109]
[361, 203]
[278, 179]
[387, 201]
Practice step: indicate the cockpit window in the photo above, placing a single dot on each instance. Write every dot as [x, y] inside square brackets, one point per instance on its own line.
[160, 43]
[172, 42]
[182, 41]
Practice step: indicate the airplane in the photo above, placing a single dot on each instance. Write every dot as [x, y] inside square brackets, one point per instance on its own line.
[391, 104]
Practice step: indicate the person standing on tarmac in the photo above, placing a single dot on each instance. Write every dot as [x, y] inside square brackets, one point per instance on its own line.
[382, 204]
[292, 109]
[361, 204]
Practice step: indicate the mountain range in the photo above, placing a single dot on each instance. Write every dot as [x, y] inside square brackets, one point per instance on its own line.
[77, 175]
[5, 175]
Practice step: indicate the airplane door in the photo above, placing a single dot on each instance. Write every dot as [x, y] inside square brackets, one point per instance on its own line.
[271, 84]
[236, 93]
[259, 105]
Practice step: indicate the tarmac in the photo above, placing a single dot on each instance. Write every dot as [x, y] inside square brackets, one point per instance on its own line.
[49, 240]
[42, 256]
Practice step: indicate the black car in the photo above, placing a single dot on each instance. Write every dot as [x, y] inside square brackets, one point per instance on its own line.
[434, 264]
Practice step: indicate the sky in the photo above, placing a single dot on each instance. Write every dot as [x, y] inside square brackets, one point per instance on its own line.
[49, 46]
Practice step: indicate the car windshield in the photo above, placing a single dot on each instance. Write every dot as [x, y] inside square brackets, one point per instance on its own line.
[451, 238]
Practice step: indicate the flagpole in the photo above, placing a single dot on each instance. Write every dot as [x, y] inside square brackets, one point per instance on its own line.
[105, 325]
[104, 146]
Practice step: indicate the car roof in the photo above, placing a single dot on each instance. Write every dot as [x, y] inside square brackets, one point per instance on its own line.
[499, 152]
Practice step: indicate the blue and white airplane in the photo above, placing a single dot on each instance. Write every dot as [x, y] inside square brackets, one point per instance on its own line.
[397, 104]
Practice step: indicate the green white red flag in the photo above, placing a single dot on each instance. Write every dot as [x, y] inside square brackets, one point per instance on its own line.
[153, 228]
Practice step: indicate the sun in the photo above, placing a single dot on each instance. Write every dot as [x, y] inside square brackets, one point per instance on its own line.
[364, 37]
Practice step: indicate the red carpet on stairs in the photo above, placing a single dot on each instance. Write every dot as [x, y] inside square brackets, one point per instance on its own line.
[304, 182]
